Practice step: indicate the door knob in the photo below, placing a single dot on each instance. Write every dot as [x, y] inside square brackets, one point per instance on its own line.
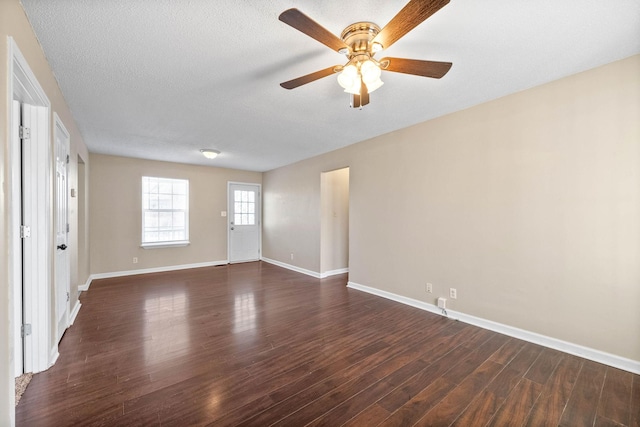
[232, 228]
[62, 246]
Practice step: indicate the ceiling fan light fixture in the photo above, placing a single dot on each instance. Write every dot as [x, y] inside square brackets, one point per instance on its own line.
[371, 86]
[209, 153]
[370, 72]
[355, 87]
[349, 78]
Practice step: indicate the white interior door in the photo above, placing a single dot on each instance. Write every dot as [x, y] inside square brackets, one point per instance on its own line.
[244, 222]
[62, 260]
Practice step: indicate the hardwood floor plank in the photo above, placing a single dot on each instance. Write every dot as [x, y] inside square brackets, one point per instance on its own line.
[407, 391]
[615, 404]
[414, 409]
[483, 407]
[348, 408]
[507, 352]
[543, 367]
[255, 345]
[635, 402]
[371, 417]
[450, 408]
[581, 408]
[555, 394]
[516, 408]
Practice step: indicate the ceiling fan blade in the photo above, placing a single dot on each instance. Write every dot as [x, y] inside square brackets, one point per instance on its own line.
[303, 23]
[413, 14]
[417, 67]
[292, 84]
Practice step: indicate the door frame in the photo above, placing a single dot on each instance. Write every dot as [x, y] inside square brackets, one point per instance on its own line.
[229, 184]
[58, 126]
[39, 350]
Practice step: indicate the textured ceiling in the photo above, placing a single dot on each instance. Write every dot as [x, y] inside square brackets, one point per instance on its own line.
[160, 79]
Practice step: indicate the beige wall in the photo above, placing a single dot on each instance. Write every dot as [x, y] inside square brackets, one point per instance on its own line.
[115, 209]
[14, 23]
[529, 205]
[334, 226]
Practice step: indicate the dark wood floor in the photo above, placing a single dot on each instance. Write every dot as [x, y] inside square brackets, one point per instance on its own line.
[257, 345]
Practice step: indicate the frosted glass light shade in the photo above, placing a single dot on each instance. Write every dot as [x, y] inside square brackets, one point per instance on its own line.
[209, 154]
[370, 72]
[348, 77]
[374, 85]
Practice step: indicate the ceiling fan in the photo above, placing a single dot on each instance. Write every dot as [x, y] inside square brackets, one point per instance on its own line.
[360, 42]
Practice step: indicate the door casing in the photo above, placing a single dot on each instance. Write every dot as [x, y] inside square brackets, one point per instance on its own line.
[40, 351]
[230, 184]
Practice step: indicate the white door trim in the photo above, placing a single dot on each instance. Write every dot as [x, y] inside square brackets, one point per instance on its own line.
[40, 349]
[15, 242]
[229, 184]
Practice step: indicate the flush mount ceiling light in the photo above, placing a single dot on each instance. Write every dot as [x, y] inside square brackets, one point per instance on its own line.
[359, 42]
[209, 154]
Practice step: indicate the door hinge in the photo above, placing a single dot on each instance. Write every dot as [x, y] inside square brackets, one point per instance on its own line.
[67, 159]
[25, 133]
[25, 231]
[67, 296]
[67, 228]
[26, 330]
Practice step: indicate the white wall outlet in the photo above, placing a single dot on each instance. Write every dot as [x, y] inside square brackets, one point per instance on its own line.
[442, 303]
[429, 288]
[291, 256]
[135, 259]
[453, 293]
[223, 213]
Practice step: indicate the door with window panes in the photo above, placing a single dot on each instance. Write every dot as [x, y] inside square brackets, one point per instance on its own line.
[244, 222]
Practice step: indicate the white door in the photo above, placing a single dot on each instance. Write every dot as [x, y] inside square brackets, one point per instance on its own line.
[62, 228]
[244, 222]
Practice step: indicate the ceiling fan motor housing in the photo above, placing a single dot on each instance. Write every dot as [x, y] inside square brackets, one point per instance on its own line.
[359, 37]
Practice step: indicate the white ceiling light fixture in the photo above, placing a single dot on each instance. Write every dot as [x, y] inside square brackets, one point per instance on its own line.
[209, 153]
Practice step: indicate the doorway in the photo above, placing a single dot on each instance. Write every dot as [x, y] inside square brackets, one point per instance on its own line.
[334, 225]
[244, 222]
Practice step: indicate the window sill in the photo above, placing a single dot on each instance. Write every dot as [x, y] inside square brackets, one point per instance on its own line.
[160, 245]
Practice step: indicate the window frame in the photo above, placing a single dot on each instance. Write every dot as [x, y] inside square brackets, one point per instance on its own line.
[144, 197]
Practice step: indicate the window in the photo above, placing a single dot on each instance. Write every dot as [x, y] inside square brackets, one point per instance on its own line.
[165, 212]
[244, 207]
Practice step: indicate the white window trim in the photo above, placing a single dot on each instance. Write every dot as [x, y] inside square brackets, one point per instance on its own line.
[170, 243]
[160, 245]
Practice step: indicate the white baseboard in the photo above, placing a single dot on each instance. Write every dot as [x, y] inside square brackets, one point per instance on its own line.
[333, 272]
[554, 343]
[92, 277]
[304, 270]
[74, 313]
[292, 267]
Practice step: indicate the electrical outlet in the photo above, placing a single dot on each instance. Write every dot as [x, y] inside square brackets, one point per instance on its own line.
[442, 303]
[291, 256]
[135, 259]
[453, 293]
[429, 288]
